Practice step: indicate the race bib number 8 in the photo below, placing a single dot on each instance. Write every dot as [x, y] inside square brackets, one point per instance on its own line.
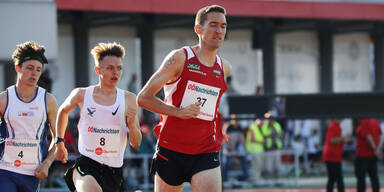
[102, 141]
[207, 95]
[21, 153]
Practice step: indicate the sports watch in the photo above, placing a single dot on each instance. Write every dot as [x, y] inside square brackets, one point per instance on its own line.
[59, 139]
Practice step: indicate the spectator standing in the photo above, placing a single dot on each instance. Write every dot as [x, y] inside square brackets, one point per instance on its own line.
[369, 141]
[236, 148]
[273, 135]
[332, 155]
[255, 147]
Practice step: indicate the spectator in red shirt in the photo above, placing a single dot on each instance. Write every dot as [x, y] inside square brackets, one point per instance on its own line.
[332, 155]
[369, 141]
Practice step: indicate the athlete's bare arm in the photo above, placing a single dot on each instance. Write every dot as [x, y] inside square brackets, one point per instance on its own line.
[337, 140]
[3, 102]
[71, 102]
[170, 70]
[132, 120]
[227, 67]
[42, 170]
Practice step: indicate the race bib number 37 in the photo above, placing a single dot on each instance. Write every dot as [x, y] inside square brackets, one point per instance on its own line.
[21, 153]
[207, 95]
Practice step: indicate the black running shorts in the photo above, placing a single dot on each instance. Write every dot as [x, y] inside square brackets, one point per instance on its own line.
[176, 168]
[109, 178]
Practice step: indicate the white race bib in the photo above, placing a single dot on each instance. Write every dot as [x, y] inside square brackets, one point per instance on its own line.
[21, 153]
[207, 95]
[103, 141]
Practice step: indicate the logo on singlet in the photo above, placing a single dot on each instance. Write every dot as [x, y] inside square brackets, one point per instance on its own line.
[17, 163]
[20, 144]
[99, 151]
[92, 129]
[25, 113]
[34, 108]
[217, 72]
[91, 111]
[114, 113]
[196, 88]
[193, 66]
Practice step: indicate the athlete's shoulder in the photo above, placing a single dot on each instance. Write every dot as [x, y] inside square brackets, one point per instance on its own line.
[130, 100]
[3, 102]
[79, 91]
[178, 55]
[51, 98]
[227, 67]
[129, 96]
[173, 63]
[180, 52]
[77, 94]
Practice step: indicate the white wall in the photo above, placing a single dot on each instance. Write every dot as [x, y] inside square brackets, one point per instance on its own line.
[237, 49]
[126, 37]
[2, 66]
[24, 20]
[167, 40]
[351, 65]
[62, 71]
[297, 68]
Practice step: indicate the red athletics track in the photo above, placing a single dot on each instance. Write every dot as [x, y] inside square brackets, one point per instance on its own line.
[348, 189]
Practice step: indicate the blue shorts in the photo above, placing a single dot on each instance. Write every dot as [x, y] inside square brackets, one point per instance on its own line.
[15, 182]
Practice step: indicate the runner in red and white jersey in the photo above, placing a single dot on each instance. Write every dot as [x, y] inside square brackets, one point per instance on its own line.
[193, 82]
[197, 83]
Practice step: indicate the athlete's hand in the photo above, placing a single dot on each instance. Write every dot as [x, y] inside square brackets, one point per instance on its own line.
[190, 111]
[130, 115]
[61, 153]
[42, 171]
[379, 154]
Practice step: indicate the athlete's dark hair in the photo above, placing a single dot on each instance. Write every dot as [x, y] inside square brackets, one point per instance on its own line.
[107, 49]
[29, 50]
[201, 15]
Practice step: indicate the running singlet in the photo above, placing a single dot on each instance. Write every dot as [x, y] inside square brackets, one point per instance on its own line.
[24, 127]
[197, 83]
[102, 129]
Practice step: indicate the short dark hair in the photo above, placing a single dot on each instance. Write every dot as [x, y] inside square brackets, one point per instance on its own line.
[28, 51]
[107, 49]
[201, 15]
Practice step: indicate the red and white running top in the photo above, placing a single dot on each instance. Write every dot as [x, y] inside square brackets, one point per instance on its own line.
[197, 83]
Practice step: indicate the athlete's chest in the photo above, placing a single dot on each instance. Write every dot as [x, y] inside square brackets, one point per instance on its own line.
[197, 72]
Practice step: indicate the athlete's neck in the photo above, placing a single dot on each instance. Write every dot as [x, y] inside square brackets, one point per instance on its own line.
[206, 56]
[105, 90]
[25, 92]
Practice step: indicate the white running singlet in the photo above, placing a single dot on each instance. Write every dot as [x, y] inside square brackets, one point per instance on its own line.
[103, 130]
[24, 128]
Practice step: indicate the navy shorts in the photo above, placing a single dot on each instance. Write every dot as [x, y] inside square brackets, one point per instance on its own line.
[14, 182]
[175, 168]
[109, 178]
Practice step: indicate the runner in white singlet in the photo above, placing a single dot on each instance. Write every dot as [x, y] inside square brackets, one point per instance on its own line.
[106, 111]
[27, 113]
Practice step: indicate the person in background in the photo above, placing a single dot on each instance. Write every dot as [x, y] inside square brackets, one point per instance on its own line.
[368, 149]
[273, 135]
[254, 141]
[236, 148]
[333, 154]
[132, 85]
